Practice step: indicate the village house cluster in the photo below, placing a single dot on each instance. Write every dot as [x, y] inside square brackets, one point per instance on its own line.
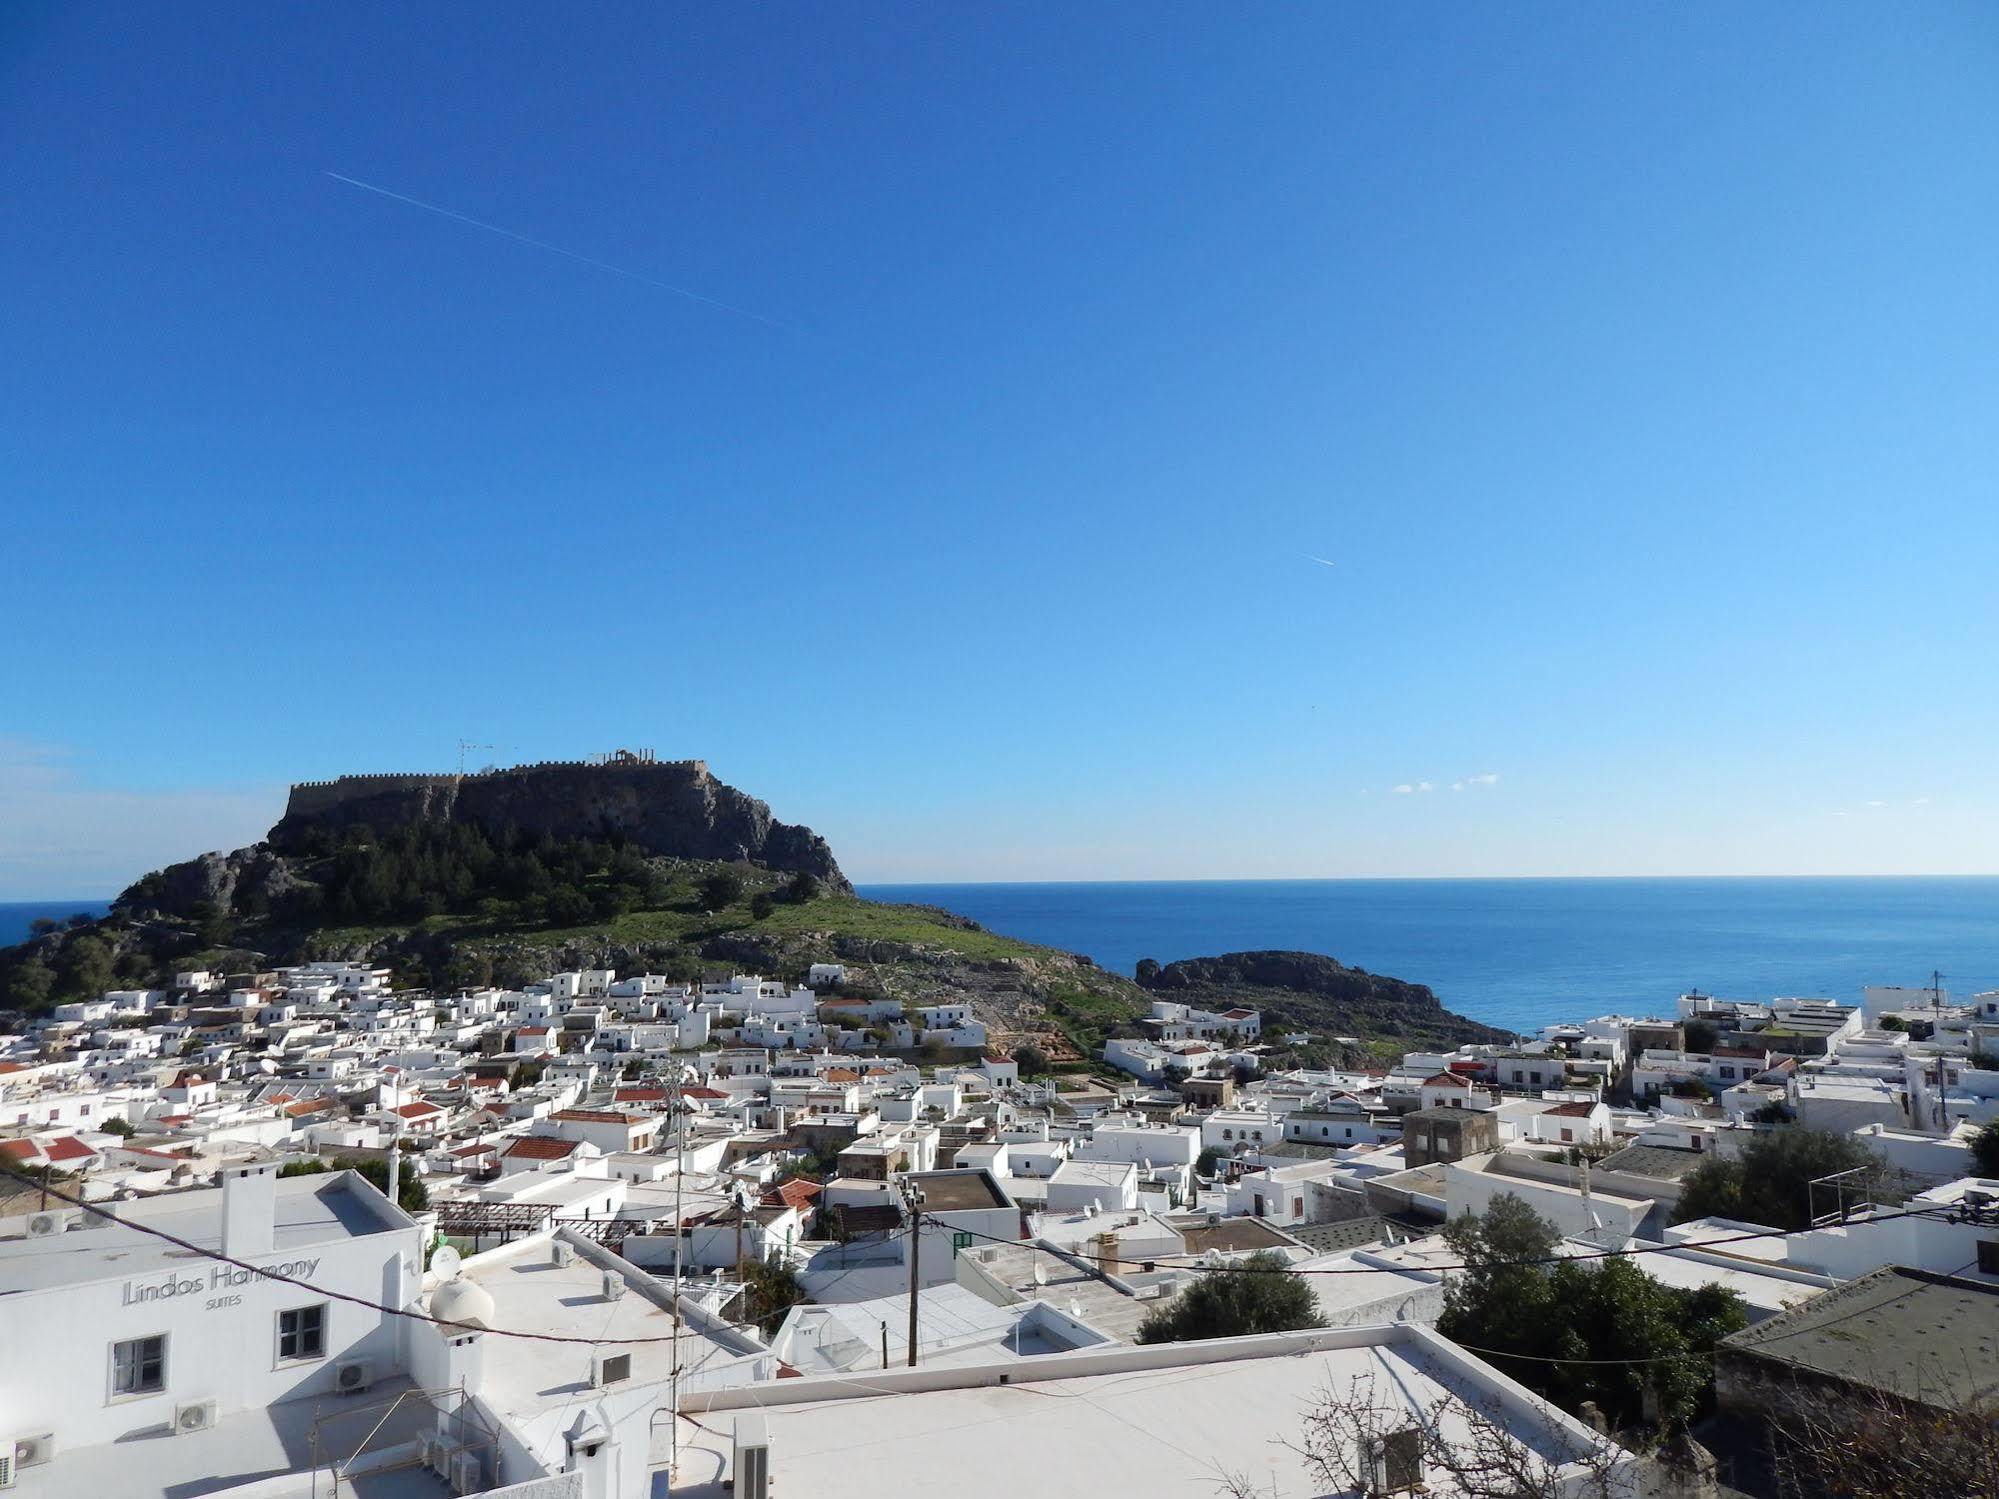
[613, 1167]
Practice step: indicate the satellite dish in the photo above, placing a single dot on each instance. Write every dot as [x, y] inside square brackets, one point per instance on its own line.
[445, 1262]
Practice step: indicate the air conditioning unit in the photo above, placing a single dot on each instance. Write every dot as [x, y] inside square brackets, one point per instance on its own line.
[197, 1415]
[610, 1369]
[31, 1452]
[468, 1474]
[437, 1455]
[47, 1225]
[6, 1470]
[353, 1377]
[614, 1286]
[752, 1453]
[563, 1251]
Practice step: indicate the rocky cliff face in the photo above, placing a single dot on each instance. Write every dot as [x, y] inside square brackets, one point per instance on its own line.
[673, 809]
[1316, 992]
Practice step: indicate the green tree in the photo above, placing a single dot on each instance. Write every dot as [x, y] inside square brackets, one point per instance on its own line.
[30, 984]
[88, 966]
[762, 904]
[1259, 1295]
[721, 890]
[1031, 1060]
[1581, 1330]
[41, 926]
[118, 1127]
[801, 888]
[1770, 1182]
[1206, 1162]
[770, 1289]
[1701, 1035]
[1985, 1148]
[1892, 1023]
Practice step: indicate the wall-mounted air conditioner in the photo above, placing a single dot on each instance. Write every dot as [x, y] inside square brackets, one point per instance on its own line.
[752, 1453]
[614, 1285]
[353, 1377]
[195, 1415]
[562, 1251]
[48, 1224]
[32, 1452]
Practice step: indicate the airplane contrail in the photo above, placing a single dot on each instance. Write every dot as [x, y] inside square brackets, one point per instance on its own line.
[1320, 560]
[602, 265]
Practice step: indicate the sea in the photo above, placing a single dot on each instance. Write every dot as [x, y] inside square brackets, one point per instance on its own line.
[1525, 953]
[1514, 953]
[17, 918]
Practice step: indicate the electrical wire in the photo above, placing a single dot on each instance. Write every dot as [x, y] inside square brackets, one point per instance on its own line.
[217, 1256]
[1183, 1262]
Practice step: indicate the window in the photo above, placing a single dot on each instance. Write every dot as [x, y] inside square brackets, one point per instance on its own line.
[1988, 1256]
[1402, 1460]
[302, 1332]
[139, 1366]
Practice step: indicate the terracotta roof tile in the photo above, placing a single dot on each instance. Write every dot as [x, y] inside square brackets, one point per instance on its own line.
[540, 1148]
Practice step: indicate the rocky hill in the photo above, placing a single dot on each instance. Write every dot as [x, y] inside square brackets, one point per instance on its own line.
[1309, 991]
[506, 876]
[675, 809]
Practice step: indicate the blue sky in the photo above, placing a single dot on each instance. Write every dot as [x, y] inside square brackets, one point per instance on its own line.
[1635, 367]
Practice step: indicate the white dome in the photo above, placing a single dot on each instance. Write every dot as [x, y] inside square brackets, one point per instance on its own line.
[464, 1301]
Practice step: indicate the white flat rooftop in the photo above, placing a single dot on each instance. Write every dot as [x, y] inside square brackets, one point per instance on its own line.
[311, 1210]
[1094, 1422]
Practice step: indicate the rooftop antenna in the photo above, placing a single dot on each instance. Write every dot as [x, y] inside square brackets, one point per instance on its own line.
[1936, 990]
[463, 746]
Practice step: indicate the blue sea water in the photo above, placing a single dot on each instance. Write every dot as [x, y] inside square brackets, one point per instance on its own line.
[18, 917]
[1525, 953]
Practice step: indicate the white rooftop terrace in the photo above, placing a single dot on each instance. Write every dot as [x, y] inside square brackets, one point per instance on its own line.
[1172, 1419]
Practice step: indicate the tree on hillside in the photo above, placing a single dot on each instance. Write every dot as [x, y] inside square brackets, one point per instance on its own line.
[801, 888]
[1260, 1295]
[1701, 1036]
[87, 966]
[30, 984]
[1578, 1331]
[1031, 1060]
[721, 890]
[1770, 1182]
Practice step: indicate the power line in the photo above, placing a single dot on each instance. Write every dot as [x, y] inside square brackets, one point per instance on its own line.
[318, 1290]
[204, 1252]
[1179, 1262]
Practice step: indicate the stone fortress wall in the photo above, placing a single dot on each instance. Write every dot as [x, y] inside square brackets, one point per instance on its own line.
[315, 798]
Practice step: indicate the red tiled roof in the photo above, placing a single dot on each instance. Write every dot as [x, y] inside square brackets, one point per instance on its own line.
[470, 1150]
[598, 1116]
[416, 1110]
[540, 1148]
[6, 1067]
[1573, 1110]
[703, 1093]
[1237, 1014]
[639, 1095]
[796, 1193]
[19, 1150]
[1445, 1080]
[308, 1106]
[840, 1075]
[69, 1148]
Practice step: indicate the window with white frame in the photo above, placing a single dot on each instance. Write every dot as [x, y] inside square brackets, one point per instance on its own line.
[139, 1366]
[302, 1332]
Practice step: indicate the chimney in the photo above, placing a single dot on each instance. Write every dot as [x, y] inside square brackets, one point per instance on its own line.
[249, 1208]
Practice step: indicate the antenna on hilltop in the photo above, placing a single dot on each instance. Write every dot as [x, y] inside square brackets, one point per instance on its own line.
[466, 744]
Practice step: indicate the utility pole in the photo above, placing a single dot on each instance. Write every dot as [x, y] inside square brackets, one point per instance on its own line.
[912, 1196]
[679, 1243]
